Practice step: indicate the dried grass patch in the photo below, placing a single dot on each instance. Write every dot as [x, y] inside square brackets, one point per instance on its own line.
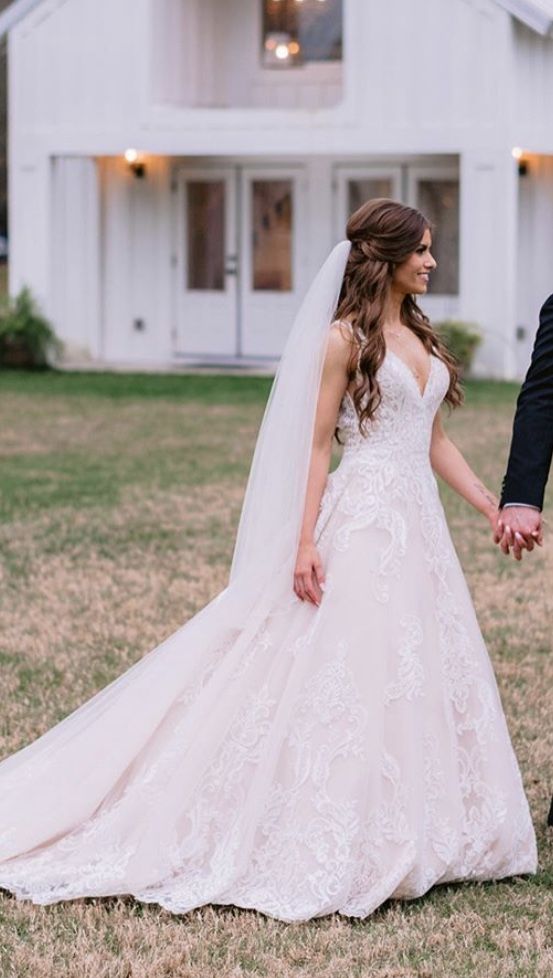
[91, 580]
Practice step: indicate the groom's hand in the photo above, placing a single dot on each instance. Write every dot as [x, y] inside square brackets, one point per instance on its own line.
[518, 528]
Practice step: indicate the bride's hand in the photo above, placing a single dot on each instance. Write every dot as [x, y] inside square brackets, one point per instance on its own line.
[309, 574]
[493, 515]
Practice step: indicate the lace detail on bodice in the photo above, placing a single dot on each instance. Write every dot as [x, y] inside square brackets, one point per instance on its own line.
[389, 463]
[402, 426]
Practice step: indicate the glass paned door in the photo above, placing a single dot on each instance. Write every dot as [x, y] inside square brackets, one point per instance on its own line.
[205, 234]
[272, 236]
[356, 185]
[361, 190]
[206, 262]
[437, 196]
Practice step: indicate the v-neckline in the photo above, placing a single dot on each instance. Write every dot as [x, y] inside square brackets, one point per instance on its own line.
[407, 368]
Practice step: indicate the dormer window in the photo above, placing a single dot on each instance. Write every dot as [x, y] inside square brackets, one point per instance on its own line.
[298, 32]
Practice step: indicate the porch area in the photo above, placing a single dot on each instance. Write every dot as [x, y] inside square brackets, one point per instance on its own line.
[190, 261]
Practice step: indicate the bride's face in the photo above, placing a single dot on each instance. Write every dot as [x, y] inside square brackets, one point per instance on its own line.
[413, 275]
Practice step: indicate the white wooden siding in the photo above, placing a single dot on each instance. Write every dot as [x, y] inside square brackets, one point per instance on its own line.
[180, 79]
[136, 265]
[75, 287]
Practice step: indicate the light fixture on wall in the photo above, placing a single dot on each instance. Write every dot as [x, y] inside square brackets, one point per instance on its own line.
[519, 155]
[136, 164]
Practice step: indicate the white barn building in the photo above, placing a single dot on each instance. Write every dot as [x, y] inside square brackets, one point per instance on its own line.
[257, 126]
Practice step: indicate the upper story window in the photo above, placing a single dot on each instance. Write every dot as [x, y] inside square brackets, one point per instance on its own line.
[297, 32]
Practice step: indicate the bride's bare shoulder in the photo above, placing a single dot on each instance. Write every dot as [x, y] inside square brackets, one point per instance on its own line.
[342, 342]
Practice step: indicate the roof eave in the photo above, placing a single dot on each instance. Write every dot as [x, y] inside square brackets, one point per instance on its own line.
[16, 11]
[530, 14]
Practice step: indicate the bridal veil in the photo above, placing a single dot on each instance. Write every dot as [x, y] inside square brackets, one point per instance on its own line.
[92, 748]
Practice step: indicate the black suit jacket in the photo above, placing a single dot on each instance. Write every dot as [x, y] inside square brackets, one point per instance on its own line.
[532, 442]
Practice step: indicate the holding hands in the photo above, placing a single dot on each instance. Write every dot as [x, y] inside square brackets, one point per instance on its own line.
[518, 528]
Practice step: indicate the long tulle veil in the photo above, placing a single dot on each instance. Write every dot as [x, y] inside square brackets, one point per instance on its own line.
[58, 781]
[273, 505]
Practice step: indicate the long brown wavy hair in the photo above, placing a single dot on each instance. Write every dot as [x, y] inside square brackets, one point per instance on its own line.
[383, 234]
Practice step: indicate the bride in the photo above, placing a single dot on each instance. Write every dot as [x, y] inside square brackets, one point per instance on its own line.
[327, 732]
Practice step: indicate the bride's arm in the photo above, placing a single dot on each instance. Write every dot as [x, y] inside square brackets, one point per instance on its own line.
[448, 462]
[308, 572]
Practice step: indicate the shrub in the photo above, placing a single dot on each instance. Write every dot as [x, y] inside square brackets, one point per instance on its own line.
[461, 339]
[26, 337]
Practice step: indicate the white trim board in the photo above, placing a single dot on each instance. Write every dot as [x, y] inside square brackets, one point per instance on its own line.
[536, 14]
[16, 11]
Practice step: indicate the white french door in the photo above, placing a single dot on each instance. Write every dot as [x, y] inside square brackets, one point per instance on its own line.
[240, 259]
[357, 184]
[206, 262]
[432, 189]
[435, 190]
[273, 236]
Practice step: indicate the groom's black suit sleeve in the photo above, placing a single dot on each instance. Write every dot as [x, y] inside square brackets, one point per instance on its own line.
[532, 442]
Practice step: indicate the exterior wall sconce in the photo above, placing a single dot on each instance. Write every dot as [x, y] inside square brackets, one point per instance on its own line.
[137, 165]
[518, 154]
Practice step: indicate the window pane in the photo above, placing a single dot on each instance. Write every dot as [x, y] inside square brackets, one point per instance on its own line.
[272, 235]
[439, 201]
[359, 191]
[205, 234]
[298, 31]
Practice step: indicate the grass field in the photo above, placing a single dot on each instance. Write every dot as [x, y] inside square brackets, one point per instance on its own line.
[119, 497]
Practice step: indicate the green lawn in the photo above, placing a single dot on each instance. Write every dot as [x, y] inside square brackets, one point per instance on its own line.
[119, 497]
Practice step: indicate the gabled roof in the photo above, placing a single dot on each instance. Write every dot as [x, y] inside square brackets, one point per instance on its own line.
[14, 13]
[536, 14]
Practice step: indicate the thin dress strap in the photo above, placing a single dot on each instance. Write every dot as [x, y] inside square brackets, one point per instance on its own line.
[342, 322]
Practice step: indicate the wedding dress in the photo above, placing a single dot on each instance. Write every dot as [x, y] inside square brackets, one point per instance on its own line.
[295, 759]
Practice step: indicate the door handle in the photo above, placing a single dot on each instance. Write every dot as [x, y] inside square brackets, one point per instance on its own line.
[231, 265]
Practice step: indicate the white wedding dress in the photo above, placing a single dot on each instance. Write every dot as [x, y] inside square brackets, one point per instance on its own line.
[298, 760]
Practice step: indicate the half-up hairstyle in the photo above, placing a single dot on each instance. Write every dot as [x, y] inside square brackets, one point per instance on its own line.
[383, 234]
